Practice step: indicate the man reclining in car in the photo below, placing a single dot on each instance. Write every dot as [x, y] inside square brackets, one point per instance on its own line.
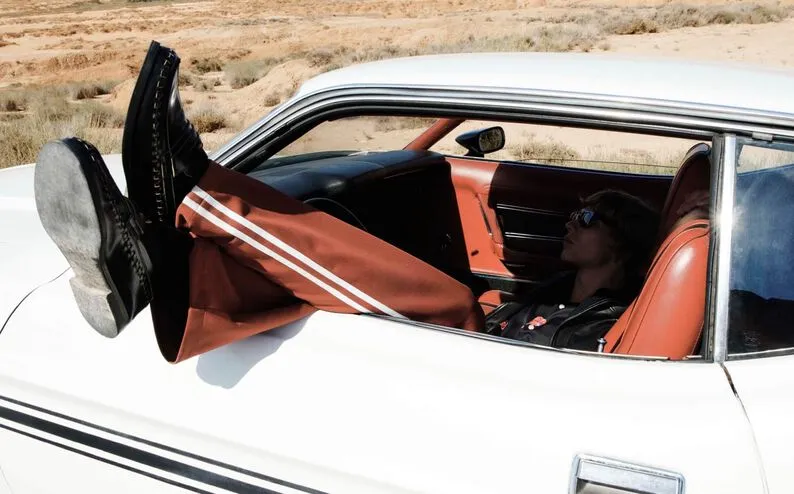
[220, 256]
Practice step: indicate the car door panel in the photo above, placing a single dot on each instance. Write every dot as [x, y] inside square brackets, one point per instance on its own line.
[765, 386]
[347, 403]
[514, 214]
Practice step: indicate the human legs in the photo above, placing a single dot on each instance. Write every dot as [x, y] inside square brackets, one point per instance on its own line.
[248, 229]
[255, 258]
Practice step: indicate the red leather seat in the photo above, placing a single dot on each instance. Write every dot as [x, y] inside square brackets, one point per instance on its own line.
[692, 176]
[666, 318]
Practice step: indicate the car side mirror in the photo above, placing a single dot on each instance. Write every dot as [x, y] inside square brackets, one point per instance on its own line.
[482, 141]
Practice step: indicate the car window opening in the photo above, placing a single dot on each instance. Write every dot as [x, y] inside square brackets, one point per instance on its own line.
[563, 235]
[761, 305]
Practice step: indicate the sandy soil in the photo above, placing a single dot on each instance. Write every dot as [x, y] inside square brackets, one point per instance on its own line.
[57, 41]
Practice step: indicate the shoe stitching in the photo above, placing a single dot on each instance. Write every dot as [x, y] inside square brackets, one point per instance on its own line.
[127, 242]
[158, 149]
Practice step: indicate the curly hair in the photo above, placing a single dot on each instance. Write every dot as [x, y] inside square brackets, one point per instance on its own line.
[634, 224]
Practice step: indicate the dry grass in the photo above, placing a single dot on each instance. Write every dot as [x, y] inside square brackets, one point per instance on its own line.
[208, 119]
[673, 16]
[204, 85]
[23, 138]
[206, 64]
[88, 90]
[624, 160]
[273, 99]
[244, 73]
[45, 113]
[388, 124]
[545, 151]
[546, 38]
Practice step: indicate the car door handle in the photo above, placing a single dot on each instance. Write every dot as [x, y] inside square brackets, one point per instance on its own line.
[597, 475]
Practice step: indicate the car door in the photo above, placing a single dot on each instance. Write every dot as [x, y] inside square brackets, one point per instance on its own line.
[355, 403]
[513, 214]
[760, 303]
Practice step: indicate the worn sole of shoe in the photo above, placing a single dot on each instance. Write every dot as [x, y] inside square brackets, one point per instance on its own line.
[70, 213]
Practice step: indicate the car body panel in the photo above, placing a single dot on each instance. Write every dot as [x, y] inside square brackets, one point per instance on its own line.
[352, 403]
[766, 388]
[375, 405]
[28, 258]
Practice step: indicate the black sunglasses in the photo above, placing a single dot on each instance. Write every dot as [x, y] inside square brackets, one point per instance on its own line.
[585, 217]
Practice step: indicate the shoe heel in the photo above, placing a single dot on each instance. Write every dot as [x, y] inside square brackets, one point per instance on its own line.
[99, 306]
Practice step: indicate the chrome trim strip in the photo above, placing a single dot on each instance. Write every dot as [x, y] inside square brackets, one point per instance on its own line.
[530, 236]
[523, 209]
[723, 225]
[777, 352]
[623, 113]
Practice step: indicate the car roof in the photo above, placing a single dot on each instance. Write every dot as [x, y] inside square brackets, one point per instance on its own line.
[750, 87]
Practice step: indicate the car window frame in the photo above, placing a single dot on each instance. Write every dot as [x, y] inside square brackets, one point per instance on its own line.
[305, 111]
[731, 175]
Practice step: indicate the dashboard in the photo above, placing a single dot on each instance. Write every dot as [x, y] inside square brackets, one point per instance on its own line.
[405, 198]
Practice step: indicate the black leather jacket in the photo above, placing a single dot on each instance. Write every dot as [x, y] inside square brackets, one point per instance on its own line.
[546, 318]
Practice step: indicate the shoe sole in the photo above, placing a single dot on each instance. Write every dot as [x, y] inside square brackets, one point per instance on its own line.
[69, 213]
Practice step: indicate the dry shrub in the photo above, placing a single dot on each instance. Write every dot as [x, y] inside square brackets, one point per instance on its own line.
[555, 38]
[13, 101]
[641, 21]
[207, 119]
[388, 124]
[548, 151]
[90, 90]
[205, 84]
[321, 56]
[184, 78]
[245, 73]
[632, 26]
[206, 64]
[99, 115]
[548, 38]
[238, 54]
[76, 61]
[676, 16]
[272, 99]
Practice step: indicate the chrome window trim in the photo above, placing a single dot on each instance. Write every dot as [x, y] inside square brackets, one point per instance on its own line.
[718, 292]
[688, 360]
[523, 209]
[586, 109]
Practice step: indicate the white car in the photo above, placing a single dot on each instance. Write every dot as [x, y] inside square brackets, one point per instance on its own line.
[338, 403]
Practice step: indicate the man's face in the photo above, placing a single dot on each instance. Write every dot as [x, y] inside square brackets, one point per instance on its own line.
[588, 246]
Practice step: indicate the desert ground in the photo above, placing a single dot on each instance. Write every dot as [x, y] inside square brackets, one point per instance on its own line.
[67, 67]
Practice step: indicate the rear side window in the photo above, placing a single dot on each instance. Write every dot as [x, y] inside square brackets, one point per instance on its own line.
[762, 262]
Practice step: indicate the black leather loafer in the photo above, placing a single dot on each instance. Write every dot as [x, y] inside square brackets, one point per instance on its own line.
[97, 230]
[162, 153]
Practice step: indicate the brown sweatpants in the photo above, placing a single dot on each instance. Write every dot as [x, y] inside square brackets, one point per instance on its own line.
[262, 259]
